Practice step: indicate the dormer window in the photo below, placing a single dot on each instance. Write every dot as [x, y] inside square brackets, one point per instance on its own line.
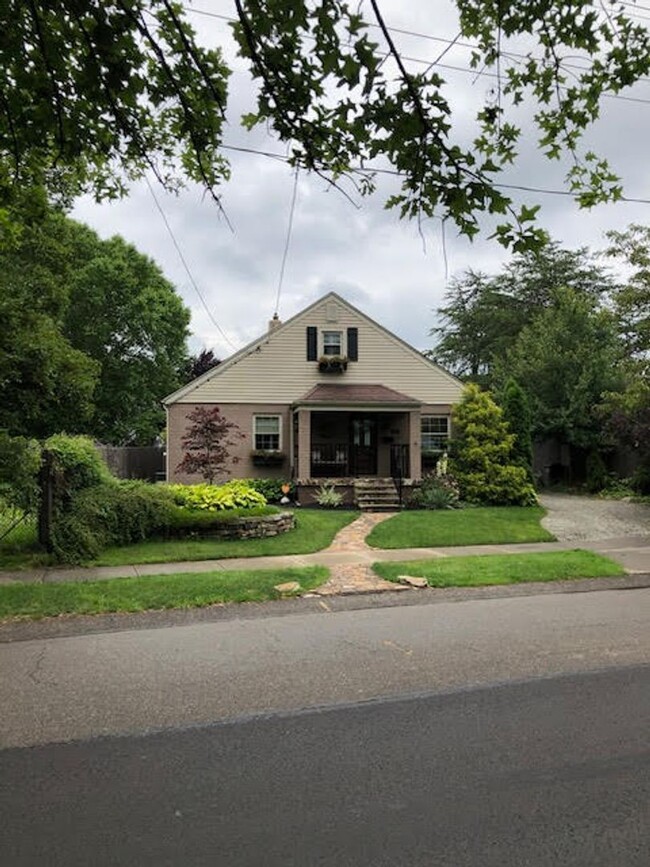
[332, 343]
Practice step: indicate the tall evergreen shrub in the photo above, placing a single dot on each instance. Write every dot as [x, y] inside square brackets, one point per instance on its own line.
[482, 458]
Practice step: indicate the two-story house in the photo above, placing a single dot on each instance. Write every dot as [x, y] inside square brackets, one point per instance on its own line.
[329, 394]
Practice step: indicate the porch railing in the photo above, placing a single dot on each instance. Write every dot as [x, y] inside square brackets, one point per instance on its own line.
[330, 460]
[399, 467]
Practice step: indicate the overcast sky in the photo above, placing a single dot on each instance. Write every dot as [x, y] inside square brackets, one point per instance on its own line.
[365, 253]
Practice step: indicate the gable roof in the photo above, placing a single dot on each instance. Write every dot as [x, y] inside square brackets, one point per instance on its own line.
[256, 344]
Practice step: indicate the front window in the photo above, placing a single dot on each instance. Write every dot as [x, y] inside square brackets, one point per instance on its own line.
[266, 432]
[435, 433]
[332, 343]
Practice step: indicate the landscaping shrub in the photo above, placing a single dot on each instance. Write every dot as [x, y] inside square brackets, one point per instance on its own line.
[596, 471]
[517, 414]
[112, 513]
[435, 492]
[640, 481]
[617, 488]
[20, 461]
[77, 463]
[482, 454]
[231, 495]
[271, 489]
[115, 513]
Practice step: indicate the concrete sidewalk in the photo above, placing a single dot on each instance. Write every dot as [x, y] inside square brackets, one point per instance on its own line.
[632, 552]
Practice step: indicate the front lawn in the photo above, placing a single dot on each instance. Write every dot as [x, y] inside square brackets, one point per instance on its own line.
[33, 601]
[477, 570]
[485, 525]
[314, 531]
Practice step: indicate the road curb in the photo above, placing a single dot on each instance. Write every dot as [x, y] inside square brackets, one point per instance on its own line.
[81, 624]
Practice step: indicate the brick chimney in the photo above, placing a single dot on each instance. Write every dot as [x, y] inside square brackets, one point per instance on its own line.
[273, 323]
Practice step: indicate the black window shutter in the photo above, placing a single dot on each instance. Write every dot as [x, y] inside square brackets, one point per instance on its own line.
[353, 344]
[312, 343]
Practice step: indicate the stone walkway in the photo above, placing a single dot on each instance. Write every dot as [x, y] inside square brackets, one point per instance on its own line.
[348, 578]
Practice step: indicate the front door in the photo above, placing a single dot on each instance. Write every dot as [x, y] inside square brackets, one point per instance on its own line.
[363, 445]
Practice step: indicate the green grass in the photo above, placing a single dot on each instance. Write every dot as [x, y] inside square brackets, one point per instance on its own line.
[20, 549]
[314, 530]
[486, 525]
[478, 570]
[33, 601]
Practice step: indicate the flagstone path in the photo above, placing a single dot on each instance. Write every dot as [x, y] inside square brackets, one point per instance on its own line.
[348, 578]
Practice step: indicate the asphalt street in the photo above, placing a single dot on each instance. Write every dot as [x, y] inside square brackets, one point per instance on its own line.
[116, 683]
[544, 773]
[491, 731]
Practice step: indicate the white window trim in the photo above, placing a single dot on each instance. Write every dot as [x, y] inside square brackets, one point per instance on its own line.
[423, 434]
[267, 415]
[321, 337]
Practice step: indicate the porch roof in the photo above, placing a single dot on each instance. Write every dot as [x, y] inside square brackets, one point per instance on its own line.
[356, 394]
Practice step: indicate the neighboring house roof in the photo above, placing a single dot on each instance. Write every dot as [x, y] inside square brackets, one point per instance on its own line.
[332, 393]
[268, 369]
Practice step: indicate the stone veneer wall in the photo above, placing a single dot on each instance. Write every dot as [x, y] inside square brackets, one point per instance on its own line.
[255, 527]
[306, 490]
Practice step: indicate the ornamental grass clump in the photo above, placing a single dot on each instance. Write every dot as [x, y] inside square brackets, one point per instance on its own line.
[328, 497]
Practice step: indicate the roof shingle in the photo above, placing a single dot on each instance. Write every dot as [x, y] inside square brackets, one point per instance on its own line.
[355, 393]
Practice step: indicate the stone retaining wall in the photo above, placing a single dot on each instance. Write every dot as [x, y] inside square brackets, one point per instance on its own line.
[255, 527]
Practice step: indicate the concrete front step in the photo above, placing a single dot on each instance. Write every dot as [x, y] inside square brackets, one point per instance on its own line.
[376, 495]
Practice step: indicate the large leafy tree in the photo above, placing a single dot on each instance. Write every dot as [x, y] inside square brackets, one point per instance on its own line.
[484, 315]
[632, 297]
[567, 360]
[94, 93]
[200, 363]
[127, 316]
[628, 412]
[95, 336]
[46, 383]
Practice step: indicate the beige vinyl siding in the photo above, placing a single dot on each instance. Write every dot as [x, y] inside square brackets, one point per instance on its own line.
[276, 367]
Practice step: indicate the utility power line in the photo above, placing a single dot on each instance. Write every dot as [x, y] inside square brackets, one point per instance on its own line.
[186, 266]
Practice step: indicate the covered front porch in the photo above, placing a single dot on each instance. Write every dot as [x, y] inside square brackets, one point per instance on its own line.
[352, 431]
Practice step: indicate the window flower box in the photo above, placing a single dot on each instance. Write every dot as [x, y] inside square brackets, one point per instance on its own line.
[264, 458]
[332, 363]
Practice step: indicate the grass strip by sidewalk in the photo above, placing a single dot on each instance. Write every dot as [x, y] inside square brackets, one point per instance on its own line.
[484, 525]
[481, 569]
[179, 590]
[314, 531]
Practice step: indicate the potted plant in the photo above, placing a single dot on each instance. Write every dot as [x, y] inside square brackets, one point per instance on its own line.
[267, 458]
[332, 363]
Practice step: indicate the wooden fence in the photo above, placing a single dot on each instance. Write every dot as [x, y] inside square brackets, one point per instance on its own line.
[135, 462]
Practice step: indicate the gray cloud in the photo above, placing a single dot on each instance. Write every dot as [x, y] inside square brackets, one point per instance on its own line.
[367, 254]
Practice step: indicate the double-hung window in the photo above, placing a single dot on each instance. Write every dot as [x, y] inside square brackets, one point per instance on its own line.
[435, 433]
[332, 343]
[266, 432]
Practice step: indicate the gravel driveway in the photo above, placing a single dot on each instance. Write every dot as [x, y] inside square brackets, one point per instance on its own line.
[571, 517]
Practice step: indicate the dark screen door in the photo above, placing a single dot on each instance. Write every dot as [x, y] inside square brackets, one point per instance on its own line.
[363, 445]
